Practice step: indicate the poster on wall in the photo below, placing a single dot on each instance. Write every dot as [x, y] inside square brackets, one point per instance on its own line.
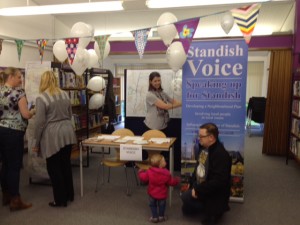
[34, 71]
[214, 90]
[137, 83]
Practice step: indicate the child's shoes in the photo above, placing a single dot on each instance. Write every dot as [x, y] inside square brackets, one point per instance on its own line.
[153, 220]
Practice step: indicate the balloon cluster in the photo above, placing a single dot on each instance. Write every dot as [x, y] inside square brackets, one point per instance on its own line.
[97, 84]
[83, 58]
[176, 56]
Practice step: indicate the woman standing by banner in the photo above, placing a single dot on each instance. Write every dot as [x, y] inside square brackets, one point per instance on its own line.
[157, 104]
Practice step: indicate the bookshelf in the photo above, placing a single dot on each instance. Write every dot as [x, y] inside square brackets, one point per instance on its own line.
[86, 122]
[294, 148]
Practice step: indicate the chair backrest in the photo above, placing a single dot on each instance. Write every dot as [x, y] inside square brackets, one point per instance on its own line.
[123, 132]
[153, 134]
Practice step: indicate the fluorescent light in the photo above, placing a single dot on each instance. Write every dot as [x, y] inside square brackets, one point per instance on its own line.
[63, 8]
[186, 3]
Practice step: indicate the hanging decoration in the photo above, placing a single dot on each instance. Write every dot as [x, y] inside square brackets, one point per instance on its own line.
[246, 18]
[105, 54]
[186, 30]
[101, 41]
[166, 28]
[59, 50]
[227, 22]
[20, 44]
[1, 41]
[140, 39]
[176, 56]
[42, 43]
[71, 47]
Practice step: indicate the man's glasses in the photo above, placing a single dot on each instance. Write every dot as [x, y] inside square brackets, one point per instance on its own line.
[203, 136]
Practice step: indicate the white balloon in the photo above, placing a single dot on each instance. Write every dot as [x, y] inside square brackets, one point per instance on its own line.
[59, 50]
[93, 59]
[227, 22]
[176, 56]
[91, 29]
[96, 101]
[83, 32]
[80, 62]
[96, 83]
[166, 28]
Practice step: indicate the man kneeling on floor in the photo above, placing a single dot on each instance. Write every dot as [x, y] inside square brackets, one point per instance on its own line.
[209, 187]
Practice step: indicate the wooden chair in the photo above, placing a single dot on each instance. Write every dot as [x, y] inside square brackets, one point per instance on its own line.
[145, 164]
[115, 161]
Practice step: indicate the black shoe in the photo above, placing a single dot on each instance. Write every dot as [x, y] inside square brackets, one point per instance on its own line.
[54, 204]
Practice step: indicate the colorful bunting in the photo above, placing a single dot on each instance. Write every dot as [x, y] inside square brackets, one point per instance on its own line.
[186, 30]
[246, 18]
[140, 39]
[101, 41]
[41, 45]
[20, 44]
[1, 41]
[71, 47]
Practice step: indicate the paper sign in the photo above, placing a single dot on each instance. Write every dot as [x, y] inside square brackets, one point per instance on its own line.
[131, 152]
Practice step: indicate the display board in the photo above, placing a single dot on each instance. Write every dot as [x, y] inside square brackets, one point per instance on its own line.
[214, 90]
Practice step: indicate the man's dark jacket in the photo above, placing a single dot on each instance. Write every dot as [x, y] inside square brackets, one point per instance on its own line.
[214, 192]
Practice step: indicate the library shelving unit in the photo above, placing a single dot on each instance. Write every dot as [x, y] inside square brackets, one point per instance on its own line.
[86, 122]
[294, 148]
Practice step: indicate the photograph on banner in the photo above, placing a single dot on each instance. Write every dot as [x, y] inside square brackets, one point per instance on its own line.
[137, 83]
[214, 90]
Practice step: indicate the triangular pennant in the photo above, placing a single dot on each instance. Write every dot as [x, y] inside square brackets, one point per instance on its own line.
[42, 43]
[140, 39]
[71, 47]
[20, 44]
[186, 30]
[1, 41]
[101, 41]
[246, 18]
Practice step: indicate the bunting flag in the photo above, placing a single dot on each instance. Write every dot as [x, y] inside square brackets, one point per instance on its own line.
[140, 39]
[246, 18]
[101, 41]
[1, 41]
[42, 43]
[71, 47]
[20, 44]
[186, 30]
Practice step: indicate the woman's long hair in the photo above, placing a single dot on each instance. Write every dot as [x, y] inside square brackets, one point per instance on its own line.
[151, 77]
[49, 82]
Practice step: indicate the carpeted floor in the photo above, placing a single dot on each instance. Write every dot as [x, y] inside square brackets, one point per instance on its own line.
[272, 197]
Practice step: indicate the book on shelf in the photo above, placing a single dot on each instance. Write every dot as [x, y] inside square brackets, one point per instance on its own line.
[296, 88]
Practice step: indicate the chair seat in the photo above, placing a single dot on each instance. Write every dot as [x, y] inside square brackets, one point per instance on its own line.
[113, 162]
[143, 165]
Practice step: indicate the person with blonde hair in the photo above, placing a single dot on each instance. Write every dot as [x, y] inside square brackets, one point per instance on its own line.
[54, 137]
[158, 179]
[14, 114]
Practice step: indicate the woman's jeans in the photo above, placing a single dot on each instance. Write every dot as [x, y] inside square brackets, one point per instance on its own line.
[157, 207]
[11, 150]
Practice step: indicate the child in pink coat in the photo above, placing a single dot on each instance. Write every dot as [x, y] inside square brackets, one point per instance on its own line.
[158, 179]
